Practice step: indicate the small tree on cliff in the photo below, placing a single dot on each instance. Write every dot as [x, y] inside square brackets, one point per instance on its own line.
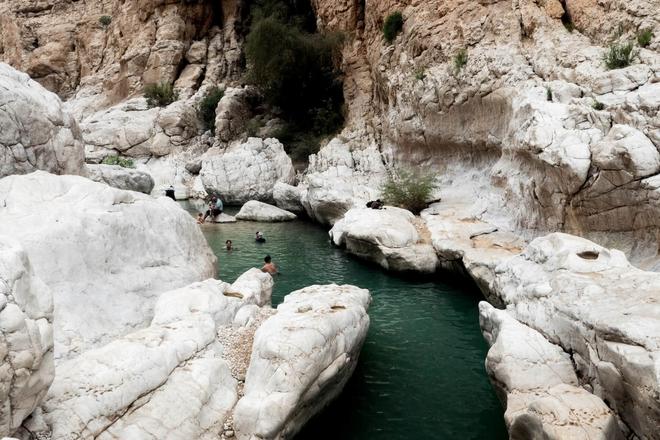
[408, 189]
[207, 106]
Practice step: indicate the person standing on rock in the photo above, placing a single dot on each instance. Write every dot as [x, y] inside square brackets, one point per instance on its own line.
[269, 266]
[215, 207]
[169, 192]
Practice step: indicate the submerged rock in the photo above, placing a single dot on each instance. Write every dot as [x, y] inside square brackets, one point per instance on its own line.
[247, 171]
[537, 384]
[26, 337]
[388, 237]
[301, 359]
[105, 253]
[121, 178]
[35, 132]
[263, 212]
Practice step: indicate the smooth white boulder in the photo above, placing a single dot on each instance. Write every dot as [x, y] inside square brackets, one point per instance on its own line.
[26, 337]
[35, 132]
[537, 384]
[288, 197]
[301, 359]
[121, 178]
[263, 212]
[105, 253]
[247, 171]
[590, 301]
[387, 237]
[135, 386]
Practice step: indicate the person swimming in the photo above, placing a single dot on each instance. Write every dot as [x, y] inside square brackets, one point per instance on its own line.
[269, 266]
[259, 237]
[230, 246]
[200, 219]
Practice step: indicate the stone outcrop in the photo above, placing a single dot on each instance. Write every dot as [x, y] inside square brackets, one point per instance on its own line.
[36, 133]
[388, 237]
[263, 212]
[26, 337]
[538, 385]
[246, 171]
[121, 178]
[105, 253]
[301, 359]
[233, 112]
[288, 197]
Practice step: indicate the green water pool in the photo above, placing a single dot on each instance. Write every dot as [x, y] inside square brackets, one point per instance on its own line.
[421, 372]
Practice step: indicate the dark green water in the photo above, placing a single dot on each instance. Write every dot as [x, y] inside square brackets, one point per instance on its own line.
[420, 374]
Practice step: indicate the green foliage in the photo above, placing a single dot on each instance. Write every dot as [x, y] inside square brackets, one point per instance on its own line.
[295, 69]
[460, 59]
[409, 189]
[548, 94]
[105, 20]
[160, 95]
[597, 105]
[253, 126]
[393, 26]
[420, 74]
[567, 22]
[644, 37]
[619, 55]
[206, 110]
[116, 160]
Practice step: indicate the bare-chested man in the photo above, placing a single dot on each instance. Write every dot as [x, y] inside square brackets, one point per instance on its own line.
[269, 266]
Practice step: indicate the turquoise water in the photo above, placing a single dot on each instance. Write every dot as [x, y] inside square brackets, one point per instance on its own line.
[420, 374]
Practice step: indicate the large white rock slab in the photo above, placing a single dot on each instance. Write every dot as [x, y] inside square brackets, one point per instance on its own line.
[387, 237]
[121, 178]
[26, 337]
[301, 359]
[536, 382]
[106, 253]
[590, 301]
[247, 171]
[263, 212]
[35, 132]
[288, 197]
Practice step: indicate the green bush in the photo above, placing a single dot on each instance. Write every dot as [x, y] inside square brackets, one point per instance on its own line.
[597, 105]
[206, 110]
[160, 95]
[420, 74]
[644, 37]
[548, 94]
[116, 160]
[568, 23]
[105, 20]
[460, 59]
[619, 55]
[392, 26]
[409, 189]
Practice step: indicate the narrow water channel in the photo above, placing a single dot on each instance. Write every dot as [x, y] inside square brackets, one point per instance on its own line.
[420, 374]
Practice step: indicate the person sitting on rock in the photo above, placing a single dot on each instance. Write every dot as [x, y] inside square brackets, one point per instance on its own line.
[169, 192]
[269, 266]
[215, 208]
[200, 219]
[375, 204]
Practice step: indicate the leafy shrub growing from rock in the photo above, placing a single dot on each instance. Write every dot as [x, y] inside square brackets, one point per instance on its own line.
[548, 94]
[295, 68]
[420, 74]
[460, 59]
[392, 26]
[116, 160]
[409, 189]
[619, 55]
[644, 37]
[105, 20]
[207, 106]
[160, 95]
[597, 105]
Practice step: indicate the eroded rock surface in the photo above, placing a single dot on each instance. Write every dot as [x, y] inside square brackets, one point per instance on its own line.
[105, 253]
[263, 212]
[121, 178]
[35, 132]
[26, 337]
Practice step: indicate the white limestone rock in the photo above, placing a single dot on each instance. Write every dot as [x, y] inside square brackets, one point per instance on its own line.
[121, 178]
[536, 381]
[136, 386]
[35, 132]
[247, 171]
[26, 337]
[105, 253]
[301, 359]
[590, 301]
[263, 212]
[233, 112]
[387, 237]
[288, 197]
